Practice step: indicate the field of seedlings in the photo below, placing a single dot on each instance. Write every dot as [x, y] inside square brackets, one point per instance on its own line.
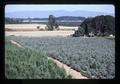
[30, 64]
[93, 57]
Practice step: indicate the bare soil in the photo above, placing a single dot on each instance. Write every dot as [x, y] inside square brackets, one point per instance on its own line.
[32, 31]
[33, 27]
[39, 33]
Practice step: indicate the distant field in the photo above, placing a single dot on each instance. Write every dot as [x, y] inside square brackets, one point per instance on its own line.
[39, 33]
[31, 30]
[33, 27]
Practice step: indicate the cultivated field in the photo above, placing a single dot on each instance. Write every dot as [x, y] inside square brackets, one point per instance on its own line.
[21, 63]
[92, 57]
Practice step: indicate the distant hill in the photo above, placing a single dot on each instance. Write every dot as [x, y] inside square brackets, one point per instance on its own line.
[56, 13]
[63, 18]
[70, 18]
[62, 21]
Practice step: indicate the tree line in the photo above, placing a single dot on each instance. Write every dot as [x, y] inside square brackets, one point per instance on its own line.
[13, 20]
[99, 26]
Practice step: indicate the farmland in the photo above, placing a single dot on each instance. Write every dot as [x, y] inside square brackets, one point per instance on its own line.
[93, 57]
[31, 30]
[39, 33]
[29, 64]
[60, 41]
[33, 27]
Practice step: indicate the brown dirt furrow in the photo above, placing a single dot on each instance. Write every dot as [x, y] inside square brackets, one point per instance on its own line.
[75, 74]
[17, 44]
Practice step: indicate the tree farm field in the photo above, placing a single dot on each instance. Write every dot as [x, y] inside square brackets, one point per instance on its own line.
[93, 57]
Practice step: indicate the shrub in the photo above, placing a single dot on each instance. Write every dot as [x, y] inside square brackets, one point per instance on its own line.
[79, 32]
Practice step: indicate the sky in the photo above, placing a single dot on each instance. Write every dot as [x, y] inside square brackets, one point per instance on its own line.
[107, 8]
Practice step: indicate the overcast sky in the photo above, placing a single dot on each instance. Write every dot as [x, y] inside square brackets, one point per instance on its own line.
[108, 8]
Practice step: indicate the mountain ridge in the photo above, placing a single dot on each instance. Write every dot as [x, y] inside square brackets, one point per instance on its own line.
[56, 13]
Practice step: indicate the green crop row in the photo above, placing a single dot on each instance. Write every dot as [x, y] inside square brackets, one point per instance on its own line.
[29, 64]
